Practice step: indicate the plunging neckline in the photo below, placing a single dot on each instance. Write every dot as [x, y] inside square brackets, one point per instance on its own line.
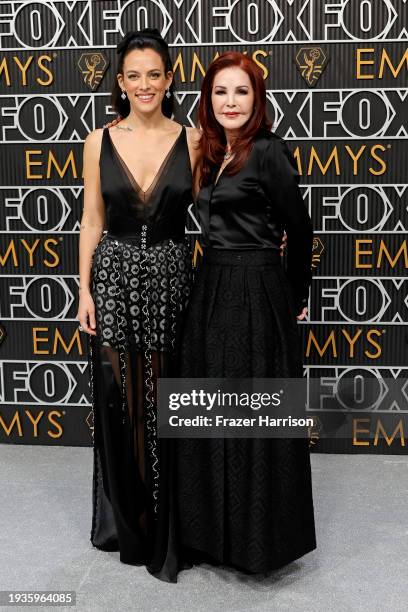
[218, 176]
[159, 172]
[243, 166]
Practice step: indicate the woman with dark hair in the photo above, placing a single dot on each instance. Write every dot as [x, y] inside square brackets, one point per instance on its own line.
[134, 286]
[248, 502]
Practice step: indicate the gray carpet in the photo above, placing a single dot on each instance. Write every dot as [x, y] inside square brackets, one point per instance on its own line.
[361, 509]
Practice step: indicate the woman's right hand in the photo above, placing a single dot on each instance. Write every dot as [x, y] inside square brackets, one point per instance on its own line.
[302, 315]
[86, 312]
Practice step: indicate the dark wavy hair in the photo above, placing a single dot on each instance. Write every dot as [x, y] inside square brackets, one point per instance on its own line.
[149, 38]
[213, 140]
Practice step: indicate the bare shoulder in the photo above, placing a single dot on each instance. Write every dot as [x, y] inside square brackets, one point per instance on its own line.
[94, 137]
[92, 143]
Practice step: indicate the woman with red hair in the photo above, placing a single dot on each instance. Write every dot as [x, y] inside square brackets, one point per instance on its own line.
[248, 502]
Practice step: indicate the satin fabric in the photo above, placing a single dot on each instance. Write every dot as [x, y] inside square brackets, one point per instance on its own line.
[252, 209]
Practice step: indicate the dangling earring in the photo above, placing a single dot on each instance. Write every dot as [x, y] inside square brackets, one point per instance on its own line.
[168, 93]
[123, 95]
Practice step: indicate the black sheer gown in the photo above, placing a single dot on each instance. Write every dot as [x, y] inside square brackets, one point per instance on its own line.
[141, 278]
[248, 502]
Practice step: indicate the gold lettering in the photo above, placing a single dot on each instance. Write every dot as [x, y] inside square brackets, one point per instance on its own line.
[51, 264]
[10, 249]
[30, 163]
[197, 249]
[296, 155]
[23, 67]
[179, 65]
[350, 340]
[357, 430]
[384, 250]
[264, 69]
[385, 59]
[37, 340]
[53, 162]
[380, 429]
[58, 339]
[34, 421]
[315, 156]
[30, 251]
[331, 339]
[360, 253]
[58, 434]
[355, 158]
[381, 161]
[41, 59]
[196, 63]
[15, 419]
[361, 62]
[4, 68]
[373, 332]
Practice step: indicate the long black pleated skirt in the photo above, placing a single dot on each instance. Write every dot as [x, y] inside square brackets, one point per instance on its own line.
[245, 503]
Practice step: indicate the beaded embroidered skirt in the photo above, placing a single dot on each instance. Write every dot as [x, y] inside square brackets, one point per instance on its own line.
[140, 295]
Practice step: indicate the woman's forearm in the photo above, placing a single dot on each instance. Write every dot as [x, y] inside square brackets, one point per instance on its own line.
[89, 237]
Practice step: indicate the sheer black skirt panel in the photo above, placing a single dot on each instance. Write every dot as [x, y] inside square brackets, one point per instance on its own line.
[140, 296]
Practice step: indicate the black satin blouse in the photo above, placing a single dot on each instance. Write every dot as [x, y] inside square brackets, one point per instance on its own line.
[251, 209]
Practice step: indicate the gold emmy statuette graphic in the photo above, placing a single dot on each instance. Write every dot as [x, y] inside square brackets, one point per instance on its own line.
[311, 61]
[318, 248]
[314, 431]
[3, 334]
[93, 67]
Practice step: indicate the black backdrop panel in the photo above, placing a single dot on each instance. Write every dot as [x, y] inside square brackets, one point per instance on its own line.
[336, 75]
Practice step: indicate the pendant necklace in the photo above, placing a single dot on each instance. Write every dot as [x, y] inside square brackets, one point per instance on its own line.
[228, 152]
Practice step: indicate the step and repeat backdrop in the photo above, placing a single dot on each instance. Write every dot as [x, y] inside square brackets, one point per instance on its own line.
[336, 73]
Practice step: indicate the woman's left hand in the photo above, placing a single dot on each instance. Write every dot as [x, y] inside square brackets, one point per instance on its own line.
[302, 314]
[283, 245]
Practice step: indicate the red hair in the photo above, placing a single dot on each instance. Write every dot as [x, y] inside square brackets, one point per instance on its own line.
[213, 140]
